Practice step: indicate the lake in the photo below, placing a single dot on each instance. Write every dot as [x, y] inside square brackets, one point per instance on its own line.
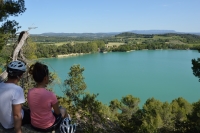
[162, 74]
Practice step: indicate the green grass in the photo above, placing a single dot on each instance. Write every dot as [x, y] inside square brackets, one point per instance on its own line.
[61, 43]
[110, 44]
[193, 45]
[163, 37]
[81, 41]
[176, 42]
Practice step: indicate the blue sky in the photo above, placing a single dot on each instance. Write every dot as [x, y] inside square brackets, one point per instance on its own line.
[92, 16]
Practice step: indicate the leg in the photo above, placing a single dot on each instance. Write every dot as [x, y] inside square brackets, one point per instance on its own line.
[63, 111]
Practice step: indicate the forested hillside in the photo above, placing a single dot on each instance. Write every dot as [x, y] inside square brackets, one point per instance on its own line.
[52, 46]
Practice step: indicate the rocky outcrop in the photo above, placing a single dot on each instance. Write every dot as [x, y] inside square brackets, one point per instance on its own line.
[25, 129]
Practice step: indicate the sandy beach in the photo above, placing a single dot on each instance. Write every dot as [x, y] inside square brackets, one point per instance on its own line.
[73, 54]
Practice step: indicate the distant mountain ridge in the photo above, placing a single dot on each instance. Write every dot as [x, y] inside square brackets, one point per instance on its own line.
[153, 31]
[108, 34]
[94, 35]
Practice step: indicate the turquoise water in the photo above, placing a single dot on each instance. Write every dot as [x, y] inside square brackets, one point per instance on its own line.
[162, 74]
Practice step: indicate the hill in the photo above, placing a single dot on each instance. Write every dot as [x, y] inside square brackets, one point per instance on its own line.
[76, 35]
[109, 34]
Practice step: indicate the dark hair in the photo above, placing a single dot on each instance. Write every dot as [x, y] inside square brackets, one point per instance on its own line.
[15, 76]
[39, 71]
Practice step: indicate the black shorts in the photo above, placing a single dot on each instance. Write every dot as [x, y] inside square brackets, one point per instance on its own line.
[27, 117]
[53, 127]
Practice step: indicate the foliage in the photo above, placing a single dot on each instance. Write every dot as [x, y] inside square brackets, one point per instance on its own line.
[50, 50]
[152, 121]
[3, 39]
[9, 27]
[75, 84]
[5, 54]
[180, 109]
[124, 42]
[196, 68]
[165, 117]
[91, 114]
[30, 49]
[129, 108]
[11, 8]
[193, 123]
[133, 35]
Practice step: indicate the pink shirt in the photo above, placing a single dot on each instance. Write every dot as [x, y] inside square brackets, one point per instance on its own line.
[40, 102]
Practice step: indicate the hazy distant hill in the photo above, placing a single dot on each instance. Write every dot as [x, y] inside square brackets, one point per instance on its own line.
[90, 35]
[160, 32]
[196, 33]
[108, 34]
[153, 31]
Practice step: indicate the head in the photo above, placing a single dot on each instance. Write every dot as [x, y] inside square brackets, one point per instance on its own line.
[39, 71]
[15, 69]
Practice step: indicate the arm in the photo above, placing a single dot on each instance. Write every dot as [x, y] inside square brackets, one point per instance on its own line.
[17, 117]
[56, 108]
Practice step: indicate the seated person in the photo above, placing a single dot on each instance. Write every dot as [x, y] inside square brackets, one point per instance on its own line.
[41, 101]
[11, 98]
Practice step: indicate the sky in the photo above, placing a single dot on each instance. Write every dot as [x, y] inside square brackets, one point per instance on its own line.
[96, 16]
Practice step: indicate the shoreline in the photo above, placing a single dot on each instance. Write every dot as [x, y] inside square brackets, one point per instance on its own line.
[78, 54]
[68, 55]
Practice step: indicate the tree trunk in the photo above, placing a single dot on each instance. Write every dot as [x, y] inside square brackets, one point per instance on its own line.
[22, 38]
[19, 46]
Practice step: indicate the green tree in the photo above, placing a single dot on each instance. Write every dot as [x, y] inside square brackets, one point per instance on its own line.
[30, 49]
[5, 54]
[91, 114]
[129, 106]
[167, 117]
[126, 110]
[180, 109]
[95, 117]
[193, 123]
[75, 84]
[115, 105]
[196, 67]
[9, 27]
[92, 47]
[152, 121]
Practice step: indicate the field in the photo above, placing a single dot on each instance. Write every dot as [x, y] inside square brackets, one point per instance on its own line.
[61, 43]
[128, 38]
[111, 44]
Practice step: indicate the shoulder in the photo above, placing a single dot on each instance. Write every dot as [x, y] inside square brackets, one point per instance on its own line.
[17, 88]
[50, 93]
[13, 86]
[29, 90]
